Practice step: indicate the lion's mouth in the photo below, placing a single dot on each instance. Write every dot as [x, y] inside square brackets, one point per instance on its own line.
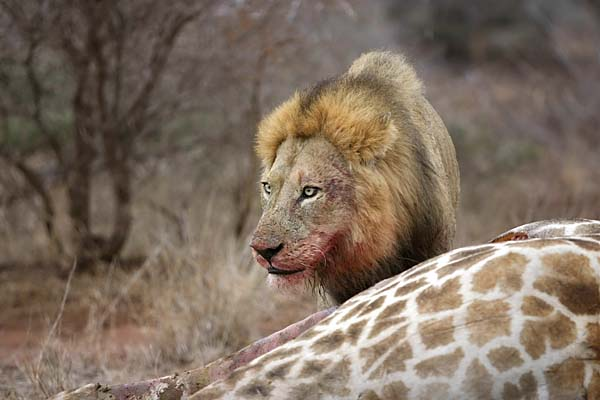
[276, 271]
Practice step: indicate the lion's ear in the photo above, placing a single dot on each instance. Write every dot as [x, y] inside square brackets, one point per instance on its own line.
[369, 140]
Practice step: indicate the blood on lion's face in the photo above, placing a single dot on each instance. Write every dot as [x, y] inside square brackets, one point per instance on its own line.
[308, 204]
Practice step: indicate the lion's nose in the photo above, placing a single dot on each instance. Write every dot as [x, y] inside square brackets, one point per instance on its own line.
[267, 252]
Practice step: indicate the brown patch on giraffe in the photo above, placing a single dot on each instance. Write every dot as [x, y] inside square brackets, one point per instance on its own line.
[372, 306]
[280, 353]
[388, 317]
[281, 371]
[538, 243]
[396, 390]
[336, 379]
[505, 272]
[368, 395]
[410, 287]
[304, 391]
[592, 338]
[565, 380]
[571, 278]
[373, 353]
[505, 358]
[594, 386]
[437, 332]
[478, 382]
[380, 326]
[329, 342]
[392, 310]
[535, 307]
[355, 330]
[590, 245]
[212, 393]
[462, 264]
[351, 312]
[558, 329]
[527, 389]
[255, 389]
[436, 299]
[470, 252]
[434, 391]
[420, 269]
[444, 365]
[487, 320]
[313, 367]
[394, 362]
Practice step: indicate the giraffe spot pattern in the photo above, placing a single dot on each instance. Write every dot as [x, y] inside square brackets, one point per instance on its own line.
[487, 320]
[526, 390]
[394, 362]
[410, 287]
[478, 382]
[373, 353]
[586, 244]
[558, 329]
[436, 299]
[535, 307]
[329, 342]
[437, 332]
[462, 264]
[395, 391]
[434, 391]
[570, 278]
[565, 380]
[505, 272]
[444, 365]
[505, 358]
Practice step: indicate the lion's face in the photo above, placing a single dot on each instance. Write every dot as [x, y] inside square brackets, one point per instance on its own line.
[308, 204]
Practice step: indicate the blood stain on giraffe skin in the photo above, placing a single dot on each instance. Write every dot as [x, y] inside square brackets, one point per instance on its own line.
[558, 329]
[444, 365]
[487, 320]
[565, 379]
[410, 287]
[505, 271]
[462, 264]
[535, 307]
[505, 358]
[394, 362]
[572, 280]
[526, 390]
[436, 299]
[478, 381]
[437, 332]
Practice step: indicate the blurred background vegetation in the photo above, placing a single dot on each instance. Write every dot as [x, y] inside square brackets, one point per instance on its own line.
[126, 135]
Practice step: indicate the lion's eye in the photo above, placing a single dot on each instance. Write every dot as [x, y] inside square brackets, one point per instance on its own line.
[266, 188]
[309, 191]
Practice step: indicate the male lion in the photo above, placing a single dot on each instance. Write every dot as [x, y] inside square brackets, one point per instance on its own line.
[360, 180]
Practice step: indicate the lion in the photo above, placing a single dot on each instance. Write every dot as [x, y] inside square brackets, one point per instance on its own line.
[360, 181]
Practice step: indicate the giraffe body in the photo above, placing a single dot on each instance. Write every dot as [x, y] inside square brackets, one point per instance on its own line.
[510, 320]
